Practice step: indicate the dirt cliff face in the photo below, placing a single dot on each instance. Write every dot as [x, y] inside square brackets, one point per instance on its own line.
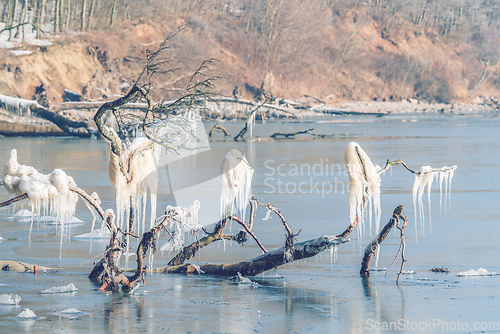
[350, 57]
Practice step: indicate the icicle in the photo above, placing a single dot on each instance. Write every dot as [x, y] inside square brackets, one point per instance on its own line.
[183, 220]
[48, 192]
[141, 159]
[377, 256]
[236, 177]
[251, 124]
[364, 186]
[424, 178]
[451, 172]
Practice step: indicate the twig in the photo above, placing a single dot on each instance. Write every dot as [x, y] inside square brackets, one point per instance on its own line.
[14, 200]
[220, 128]
[291, 135]
[247, 229]
[401, 249]
[289, 241]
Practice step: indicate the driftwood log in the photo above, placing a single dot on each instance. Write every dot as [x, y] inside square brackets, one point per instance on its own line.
[262, 263]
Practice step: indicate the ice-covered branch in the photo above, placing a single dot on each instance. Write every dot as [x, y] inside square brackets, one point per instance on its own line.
[364, 187]
[190, 251]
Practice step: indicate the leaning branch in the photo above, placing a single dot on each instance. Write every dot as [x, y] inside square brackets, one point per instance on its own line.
[372, 246]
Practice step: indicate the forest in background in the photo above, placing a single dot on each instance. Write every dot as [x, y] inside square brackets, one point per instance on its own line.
[328, 51]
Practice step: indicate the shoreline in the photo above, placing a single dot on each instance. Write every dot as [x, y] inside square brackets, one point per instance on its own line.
[15, 125]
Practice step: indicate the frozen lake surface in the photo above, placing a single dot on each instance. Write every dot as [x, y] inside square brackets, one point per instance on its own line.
[306, 179]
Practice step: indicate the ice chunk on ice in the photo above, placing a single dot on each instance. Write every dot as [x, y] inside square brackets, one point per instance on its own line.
[479, 272]
[408, 272]
[240, 279]
[9, 299]
[27, 314]
[60, 289]
[23, 214]
[70, 313]
[100, 233]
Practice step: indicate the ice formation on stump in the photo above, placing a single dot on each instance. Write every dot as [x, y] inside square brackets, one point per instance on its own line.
[236, 176]
[49, 192]
[364, 185]
[182, 221]
[424, 178]
[141, 160]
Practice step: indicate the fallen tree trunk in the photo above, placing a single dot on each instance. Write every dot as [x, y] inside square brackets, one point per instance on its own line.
[68, 126]
[252, 103]
[262, 263]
